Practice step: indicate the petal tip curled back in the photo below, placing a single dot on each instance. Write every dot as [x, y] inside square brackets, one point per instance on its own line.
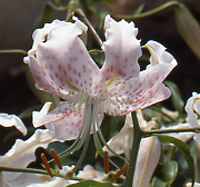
[12, 120]
[38, 116]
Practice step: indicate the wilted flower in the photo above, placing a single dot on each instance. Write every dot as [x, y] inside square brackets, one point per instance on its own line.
[61, 65]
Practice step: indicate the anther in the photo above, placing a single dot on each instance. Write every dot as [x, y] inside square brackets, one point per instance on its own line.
[119, 173]
[106, 161]
[46, 164]
[70, 173]
[56, 158]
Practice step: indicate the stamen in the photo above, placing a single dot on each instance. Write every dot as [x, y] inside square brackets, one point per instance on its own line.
[120, 172]
[56, 158]
[106, 161]
[70, 173]
[45, 162]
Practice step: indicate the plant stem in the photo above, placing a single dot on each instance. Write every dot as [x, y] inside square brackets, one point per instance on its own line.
[163, 131]
[138, 133]
[24, 170]
[13, 51]
[81, 13]
[150, 12]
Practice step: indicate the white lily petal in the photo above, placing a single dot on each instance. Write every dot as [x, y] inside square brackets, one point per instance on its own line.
[7, 120]
[22, 152]
[148, 158]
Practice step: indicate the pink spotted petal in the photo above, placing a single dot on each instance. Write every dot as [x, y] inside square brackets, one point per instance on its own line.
[39, 70]
[44, 117]
[120, 108]
[65, 120]
[62, 65]
[142, 91]
[122, 50]
[69, 127]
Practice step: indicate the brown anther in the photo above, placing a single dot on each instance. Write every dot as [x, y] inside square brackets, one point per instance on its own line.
[70, 173]
[106, 161]
[56, 158]
[46, 164]
[119, 173]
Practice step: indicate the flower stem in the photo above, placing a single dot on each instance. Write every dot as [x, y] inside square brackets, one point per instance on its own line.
[24, 170]
[138, 133]
[150, 12]
[147, 133]
[13, 51]
[81, 13]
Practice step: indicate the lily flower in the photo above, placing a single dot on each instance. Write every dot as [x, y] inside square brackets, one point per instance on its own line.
[61, 65]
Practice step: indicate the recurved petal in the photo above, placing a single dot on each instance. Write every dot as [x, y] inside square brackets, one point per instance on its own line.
[44, 117]
[7, 120]
[40, 35]
[122, 50]
[159, 55]
[139, 98]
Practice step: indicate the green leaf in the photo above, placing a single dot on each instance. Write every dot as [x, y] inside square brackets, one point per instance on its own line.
[92, 183]
[183, 148]
[189, 28]
[175, 96]
[111, 126]
[156, 182]
[170, 170]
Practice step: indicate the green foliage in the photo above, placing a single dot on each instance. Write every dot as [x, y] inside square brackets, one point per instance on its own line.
[156, 182]
[111, 126]
[92, 183]
[170, 171]
[183, 148]
[176, 98]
